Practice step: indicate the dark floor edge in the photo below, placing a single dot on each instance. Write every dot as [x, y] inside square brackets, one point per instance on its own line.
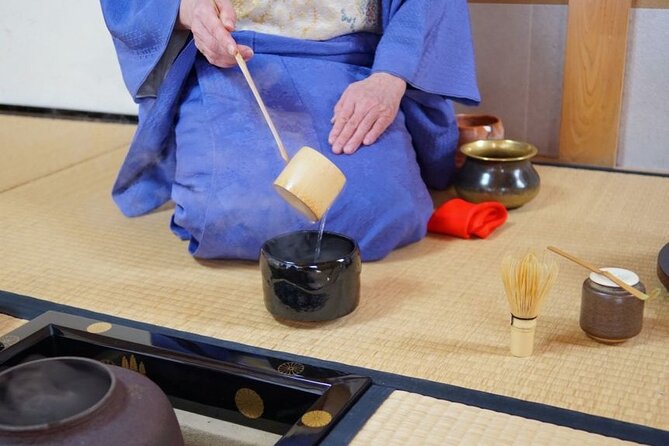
[59, 113]
[25, 307]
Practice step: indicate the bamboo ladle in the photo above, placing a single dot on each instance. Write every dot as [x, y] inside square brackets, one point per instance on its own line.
[612, 277]
[310, 182]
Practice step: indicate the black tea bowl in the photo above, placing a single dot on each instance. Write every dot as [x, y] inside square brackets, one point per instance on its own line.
[302, 284]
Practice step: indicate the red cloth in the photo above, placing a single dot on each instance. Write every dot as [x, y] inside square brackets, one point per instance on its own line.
[463, 219]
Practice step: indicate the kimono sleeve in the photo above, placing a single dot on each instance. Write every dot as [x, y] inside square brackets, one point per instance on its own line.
[429, 45]
[145, 41]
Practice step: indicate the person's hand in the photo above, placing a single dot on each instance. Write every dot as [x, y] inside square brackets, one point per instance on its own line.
[364, 111]
[211, 30]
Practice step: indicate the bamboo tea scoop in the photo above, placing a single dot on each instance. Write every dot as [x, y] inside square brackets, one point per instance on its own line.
[612, 277]
[310, 182]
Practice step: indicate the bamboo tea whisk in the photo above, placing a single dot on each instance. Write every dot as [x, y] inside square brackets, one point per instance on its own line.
[527, 281]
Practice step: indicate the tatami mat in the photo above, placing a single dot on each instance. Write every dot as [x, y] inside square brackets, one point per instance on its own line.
[412, 419]
[433, 310]
[35, 147]
[8, 323]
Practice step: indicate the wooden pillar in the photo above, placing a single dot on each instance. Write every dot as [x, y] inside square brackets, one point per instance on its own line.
[593, 80]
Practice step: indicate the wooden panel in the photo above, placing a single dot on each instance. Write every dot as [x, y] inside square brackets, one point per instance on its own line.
[593, 80]
[651, 4]
[523, 2]
[654, 4]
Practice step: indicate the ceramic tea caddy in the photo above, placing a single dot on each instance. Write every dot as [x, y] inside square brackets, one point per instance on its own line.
[610, 314]
[498, 170]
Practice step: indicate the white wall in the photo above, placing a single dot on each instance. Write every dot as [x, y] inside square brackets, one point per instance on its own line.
[520, 57]
[58, 53]
[644, 127]
[519, 68]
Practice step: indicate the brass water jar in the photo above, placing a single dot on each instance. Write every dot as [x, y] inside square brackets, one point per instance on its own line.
[498, 170]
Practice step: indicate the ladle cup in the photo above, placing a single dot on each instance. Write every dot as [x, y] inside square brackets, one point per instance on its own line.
[310, 182]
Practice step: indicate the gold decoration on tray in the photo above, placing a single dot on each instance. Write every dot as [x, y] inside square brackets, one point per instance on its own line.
[316, 418]
[527, 281]
[99, 327]
[290, 368]
[249, 403]
[133, 365]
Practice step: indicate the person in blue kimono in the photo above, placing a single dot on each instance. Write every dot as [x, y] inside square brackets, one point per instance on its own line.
[368, 83]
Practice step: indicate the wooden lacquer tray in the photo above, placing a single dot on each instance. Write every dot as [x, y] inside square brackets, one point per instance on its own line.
[297, 401]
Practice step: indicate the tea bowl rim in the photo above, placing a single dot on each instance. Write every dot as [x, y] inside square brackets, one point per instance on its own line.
[351, 254]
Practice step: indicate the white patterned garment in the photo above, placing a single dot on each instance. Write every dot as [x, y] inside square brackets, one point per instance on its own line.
[307, 19]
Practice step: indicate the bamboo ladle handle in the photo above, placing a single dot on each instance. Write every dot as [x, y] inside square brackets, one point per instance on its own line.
[633, 291]
[263, 109]
[249, 80]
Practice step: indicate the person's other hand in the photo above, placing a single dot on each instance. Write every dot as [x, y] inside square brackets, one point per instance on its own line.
[211, 30]
[364, 111]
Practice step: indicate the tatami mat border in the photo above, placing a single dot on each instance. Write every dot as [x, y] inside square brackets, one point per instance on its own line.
[28, 308]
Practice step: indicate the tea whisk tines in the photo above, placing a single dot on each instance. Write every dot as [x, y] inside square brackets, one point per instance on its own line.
[527, 281]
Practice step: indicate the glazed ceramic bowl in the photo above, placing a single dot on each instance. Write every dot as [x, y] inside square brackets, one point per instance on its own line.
[663, 266]
[300, 284]
[473, 127]
[498, 170]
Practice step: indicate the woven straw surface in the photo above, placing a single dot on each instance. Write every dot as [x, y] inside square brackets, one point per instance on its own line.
[412, 419]
[433, 310]
[33, 147]
[8, 323]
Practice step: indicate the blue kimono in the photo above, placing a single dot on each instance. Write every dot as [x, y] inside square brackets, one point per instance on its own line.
[202, 142]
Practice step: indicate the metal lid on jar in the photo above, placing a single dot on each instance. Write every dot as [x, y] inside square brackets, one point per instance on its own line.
[627, 276]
